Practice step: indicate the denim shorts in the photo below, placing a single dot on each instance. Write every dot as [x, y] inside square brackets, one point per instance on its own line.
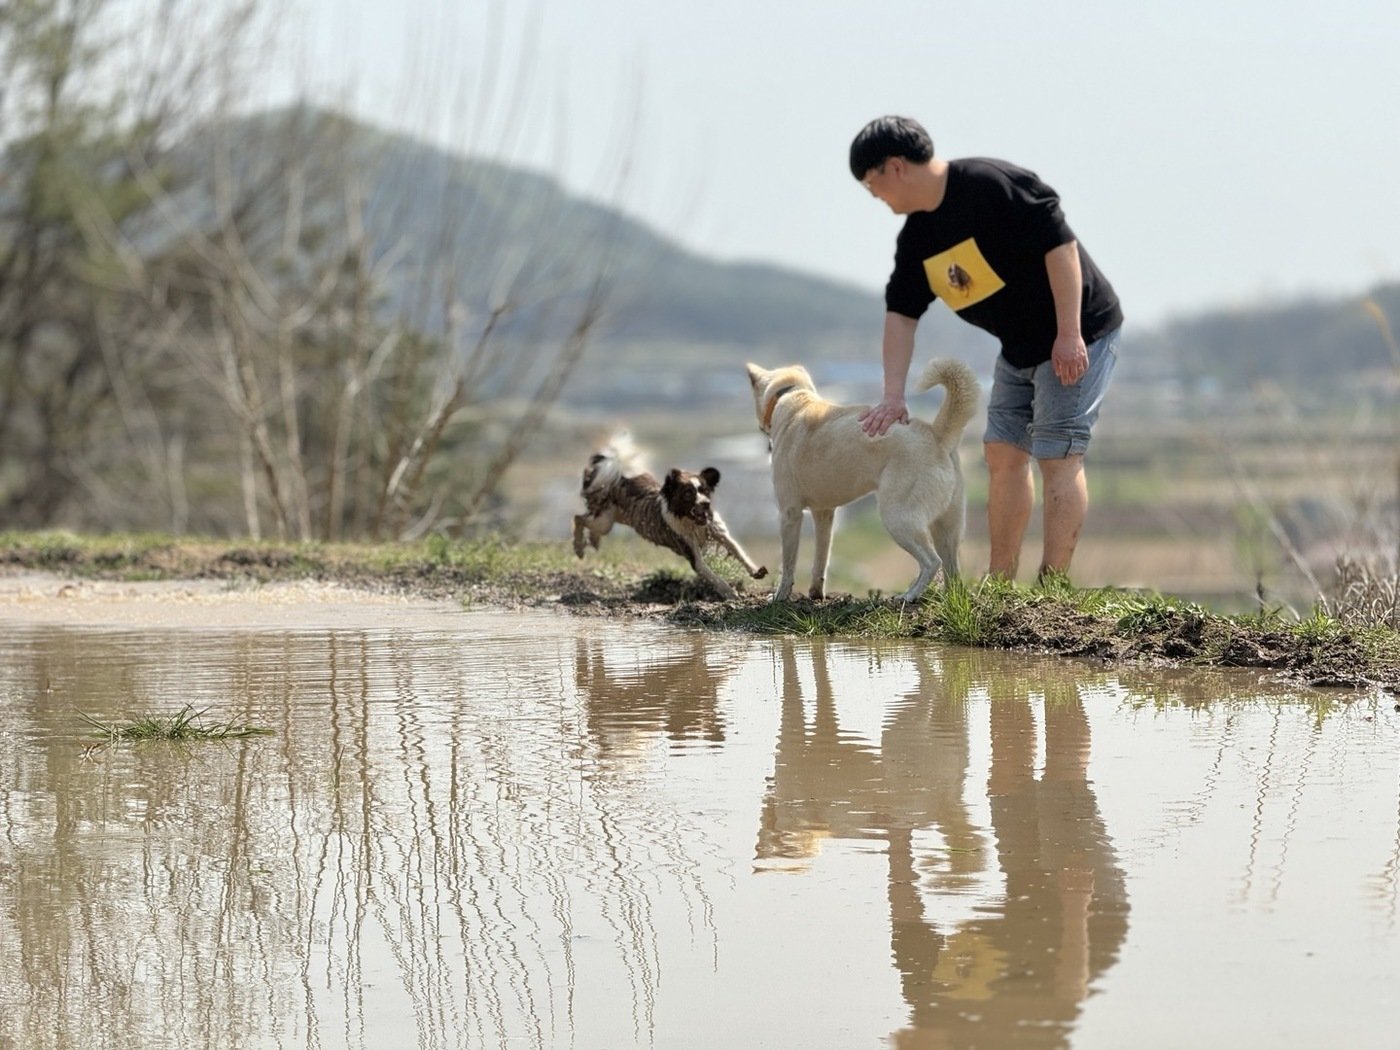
[1031, 409]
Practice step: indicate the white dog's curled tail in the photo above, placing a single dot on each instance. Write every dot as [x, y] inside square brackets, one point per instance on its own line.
[960, 404]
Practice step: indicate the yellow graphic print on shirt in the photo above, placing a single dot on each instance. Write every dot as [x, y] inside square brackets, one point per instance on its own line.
[960, 276]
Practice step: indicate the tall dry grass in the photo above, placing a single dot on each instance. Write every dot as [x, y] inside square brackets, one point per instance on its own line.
[1366, 587]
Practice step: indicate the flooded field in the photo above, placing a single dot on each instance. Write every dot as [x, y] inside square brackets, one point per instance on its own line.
[490, 829]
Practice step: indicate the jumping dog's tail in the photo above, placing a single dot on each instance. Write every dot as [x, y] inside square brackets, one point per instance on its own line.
[617, 459]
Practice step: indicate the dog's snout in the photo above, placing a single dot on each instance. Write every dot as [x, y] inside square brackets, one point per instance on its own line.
[690, 501]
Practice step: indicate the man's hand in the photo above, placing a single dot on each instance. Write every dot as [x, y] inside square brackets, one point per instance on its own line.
[1069, 358]
[877, 419]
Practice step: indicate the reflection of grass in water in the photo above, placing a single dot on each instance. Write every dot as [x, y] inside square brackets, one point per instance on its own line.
[183, 726]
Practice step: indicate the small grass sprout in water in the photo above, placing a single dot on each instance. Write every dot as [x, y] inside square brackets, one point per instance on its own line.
[186, 725]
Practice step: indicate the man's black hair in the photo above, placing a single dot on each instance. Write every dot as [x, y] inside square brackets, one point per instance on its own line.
[887, 137]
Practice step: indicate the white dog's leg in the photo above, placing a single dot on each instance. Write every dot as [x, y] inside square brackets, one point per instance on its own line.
[789, 534]
[947, 534]
[909, 527]
[920, 584]
[729, 543]
[823, 520]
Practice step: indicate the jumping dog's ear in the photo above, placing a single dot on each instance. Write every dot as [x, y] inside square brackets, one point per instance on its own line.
[671, 483]
[711, 477]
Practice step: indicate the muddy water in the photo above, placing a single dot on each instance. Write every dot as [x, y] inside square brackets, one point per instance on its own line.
[477, 829]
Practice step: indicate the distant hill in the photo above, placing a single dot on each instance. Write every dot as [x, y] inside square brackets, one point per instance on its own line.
[679, 325]
[1311, 351]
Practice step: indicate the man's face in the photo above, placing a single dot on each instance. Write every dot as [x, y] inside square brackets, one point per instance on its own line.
[885, 183]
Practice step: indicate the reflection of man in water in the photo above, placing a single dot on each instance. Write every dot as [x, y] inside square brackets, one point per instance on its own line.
[1016, 971]
[1021, 974]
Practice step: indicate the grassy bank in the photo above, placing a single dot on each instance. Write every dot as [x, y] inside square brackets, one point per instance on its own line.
[634, 580]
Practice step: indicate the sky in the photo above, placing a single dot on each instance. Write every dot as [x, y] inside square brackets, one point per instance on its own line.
[1210, 154]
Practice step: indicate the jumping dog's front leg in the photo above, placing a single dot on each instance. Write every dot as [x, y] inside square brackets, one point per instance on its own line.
[717, 584]
[729, 543]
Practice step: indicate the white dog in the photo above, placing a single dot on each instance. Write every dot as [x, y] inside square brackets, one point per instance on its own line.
[823, 460]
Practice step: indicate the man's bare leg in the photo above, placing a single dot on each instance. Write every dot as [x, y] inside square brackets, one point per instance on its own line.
[1010, 497]
[1066, 504]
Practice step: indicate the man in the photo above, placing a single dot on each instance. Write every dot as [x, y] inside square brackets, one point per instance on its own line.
[990, 240]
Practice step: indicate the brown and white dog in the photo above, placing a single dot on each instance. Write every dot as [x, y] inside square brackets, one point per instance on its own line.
[823, 460]
[678, 513]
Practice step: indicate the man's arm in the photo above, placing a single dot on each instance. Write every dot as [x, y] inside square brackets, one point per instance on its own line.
[896, 352]
[1069, 357]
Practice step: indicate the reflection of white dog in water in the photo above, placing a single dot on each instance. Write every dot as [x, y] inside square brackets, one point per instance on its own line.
[678, 514]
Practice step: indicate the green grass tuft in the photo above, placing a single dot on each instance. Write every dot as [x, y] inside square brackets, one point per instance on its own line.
[182, 726]
[963, 617]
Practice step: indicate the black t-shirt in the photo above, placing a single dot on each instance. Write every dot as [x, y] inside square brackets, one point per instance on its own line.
[982, 251]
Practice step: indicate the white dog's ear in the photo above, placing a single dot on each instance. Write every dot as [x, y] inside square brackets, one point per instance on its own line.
[756, 374]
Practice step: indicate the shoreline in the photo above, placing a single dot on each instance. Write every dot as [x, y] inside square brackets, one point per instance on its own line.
[279, 583]
[56, 599]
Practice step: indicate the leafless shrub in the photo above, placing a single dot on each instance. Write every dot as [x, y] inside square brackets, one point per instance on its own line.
[261, 324]
[353, 417]
[90, 409]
